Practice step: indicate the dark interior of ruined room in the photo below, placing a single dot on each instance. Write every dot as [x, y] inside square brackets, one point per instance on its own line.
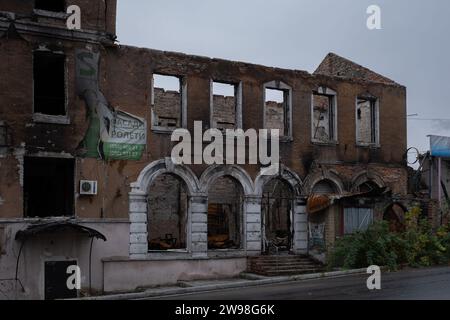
[50, 5]
[225, 200]
[167, 101]
[277, 216]
[167, 214]
[224, 106]
[49, 83]
[49, 187]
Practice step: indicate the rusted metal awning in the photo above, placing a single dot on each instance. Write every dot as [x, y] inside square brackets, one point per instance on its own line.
[318, 202]
[53, 227]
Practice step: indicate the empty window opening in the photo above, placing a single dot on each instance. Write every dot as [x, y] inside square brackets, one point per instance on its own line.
[50, 5]
[49, 83]
[48, 187]
[277, 217]
[357, 219]
[276, 110]
[167, 102]
[224, 105]
[367, 121]
[323, 118]
[225, 200]
[168, 212]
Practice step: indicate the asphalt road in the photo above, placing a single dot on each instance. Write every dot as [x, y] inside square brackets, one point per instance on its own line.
[413, 284]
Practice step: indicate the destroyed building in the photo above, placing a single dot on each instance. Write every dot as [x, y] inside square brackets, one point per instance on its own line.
[85, 143]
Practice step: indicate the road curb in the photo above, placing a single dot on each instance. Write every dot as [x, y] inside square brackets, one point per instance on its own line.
[152, 293]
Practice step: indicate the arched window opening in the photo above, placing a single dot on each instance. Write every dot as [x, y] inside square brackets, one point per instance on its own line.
[168, 214]
[225, 203]
[277, 216]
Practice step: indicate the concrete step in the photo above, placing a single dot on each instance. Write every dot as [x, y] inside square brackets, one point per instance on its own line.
[283, 265]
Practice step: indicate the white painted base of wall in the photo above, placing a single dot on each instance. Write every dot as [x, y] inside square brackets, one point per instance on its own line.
[130, 275]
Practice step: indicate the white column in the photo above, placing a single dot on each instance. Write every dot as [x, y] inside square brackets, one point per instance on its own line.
[253, 237]
[300, 227]
[199, 226]
[138, 225]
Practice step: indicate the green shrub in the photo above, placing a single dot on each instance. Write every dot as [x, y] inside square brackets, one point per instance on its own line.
[417, 246]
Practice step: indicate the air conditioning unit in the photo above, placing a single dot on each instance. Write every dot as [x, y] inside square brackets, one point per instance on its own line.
[88, 188]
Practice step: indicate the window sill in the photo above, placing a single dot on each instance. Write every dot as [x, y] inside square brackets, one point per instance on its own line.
[163, 130]
[325, 143]
[368, 146]
[44, 118]
[51, 14]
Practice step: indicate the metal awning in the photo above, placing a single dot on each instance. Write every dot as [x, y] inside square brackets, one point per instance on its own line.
[53, 227]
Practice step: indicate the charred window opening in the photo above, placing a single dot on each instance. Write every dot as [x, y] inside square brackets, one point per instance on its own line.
[225, 200]
[167, 102]
[48, 187]
[168, 212]
[367, 121]
[49, 83]
[50, 5]
[324, 117]
[277, 216]
[225, 101]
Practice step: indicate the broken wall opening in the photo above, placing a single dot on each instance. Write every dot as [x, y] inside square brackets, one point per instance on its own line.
[50, 5]
[277, 204]
[49, 83]
[167, 102]
[225, 214]
[224, 106]
[367, 121]
[323, 118]
[49, 187]
[276, 110]
[168, 205]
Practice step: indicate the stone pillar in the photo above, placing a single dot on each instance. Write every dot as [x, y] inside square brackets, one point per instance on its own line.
[199, 226]
[300, 227]
[253, 237]
[138, 226]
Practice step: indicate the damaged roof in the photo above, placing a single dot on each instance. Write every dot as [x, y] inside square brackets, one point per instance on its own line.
[336, 66]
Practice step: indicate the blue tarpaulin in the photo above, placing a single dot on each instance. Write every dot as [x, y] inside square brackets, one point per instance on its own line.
[440, 146]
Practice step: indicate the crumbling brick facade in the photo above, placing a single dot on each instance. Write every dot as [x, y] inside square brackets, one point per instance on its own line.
[125, 80]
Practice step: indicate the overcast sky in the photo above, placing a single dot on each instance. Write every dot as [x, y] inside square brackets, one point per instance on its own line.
[413, 47]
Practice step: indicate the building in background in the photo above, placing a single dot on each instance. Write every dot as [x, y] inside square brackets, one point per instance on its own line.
[86, 177]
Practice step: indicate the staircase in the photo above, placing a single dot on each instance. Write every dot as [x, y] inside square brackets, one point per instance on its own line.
[283, 265]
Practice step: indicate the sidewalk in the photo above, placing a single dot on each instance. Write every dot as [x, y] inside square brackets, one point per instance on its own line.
[247, 280]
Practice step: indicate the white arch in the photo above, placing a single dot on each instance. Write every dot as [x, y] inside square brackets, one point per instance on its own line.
[286, 175]
[217, 171]
[317, 177]
[165, 166]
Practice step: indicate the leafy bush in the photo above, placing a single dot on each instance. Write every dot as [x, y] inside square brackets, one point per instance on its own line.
[417, 246]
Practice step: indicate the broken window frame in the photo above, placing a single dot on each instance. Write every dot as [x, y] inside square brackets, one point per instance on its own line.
[375, 121]
[332, 95]
[47, 118]
[238, 103]
[287, 136]
[183, 104]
